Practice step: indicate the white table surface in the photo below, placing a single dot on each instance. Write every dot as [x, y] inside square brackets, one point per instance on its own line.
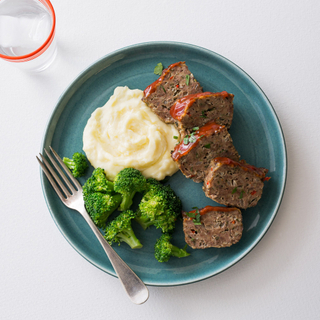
[277, 44]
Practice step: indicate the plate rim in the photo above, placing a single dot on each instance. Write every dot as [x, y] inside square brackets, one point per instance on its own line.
[82, 75]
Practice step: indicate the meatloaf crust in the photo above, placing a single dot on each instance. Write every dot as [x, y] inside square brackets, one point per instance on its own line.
[220, 227]
[196, 110]
[234, 183]
[195, 152]
[175, 82]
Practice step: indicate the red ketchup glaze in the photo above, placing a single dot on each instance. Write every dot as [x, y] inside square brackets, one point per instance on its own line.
[245, 166]
[153, 86]
[211, 208]
[181, 106]
[182, 149]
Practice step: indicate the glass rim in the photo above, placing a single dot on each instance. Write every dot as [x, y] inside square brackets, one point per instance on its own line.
[34, 54]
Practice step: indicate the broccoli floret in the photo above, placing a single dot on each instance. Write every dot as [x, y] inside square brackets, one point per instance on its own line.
[98, 182]
[77, 165]
[152, 182]
[163, 249]
[101, 205]
[99, 197]
[120, 230]
[127, 182]
[159, 207]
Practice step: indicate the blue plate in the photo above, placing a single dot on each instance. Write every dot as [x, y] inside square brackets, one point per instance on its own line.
[255, 130]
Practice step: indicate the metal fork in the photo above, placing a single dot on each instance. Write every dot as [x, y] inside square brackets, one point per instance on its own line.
[73, 198]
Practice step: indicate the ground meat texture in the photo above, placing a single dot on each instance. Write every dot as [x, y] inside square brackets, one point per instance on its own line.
[195, 152]
[196, 110]
[220, 227]
[175, 82]
[234, 183]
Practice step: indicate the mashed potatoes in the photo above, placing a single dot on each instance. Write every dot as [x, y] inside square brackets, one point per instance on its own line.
[126, 133]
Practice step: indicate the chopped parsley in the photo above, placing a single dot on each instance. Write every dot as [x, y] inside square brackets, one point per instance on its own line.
[241, 194]
[197, 220]
[191, 214]
[195, 215]
[187, 79]
[158, 69]
[195, 128]
[190, 138]
[203, 114]
[208, 146]
[175, 137]
[234, 190]
[163, 88]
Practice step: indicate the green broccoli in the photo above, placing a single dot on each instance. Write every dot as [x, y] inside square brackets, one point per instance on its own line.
[159, 207]
[120, 230]
[77, 165]
[101, 205]
[98, 182]
[151, 182]
[127, 182]
[163, 249]
[99, 197]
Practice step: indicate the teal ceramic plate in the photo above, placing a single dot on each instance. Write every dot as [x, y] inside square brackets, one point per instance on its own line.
[255, 130]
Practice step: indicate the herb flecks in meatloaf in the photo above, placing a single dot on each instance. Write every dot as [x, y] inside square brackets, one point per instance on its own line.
[219, 227]
[195, 152]
[195, 110]
[234, 183]
[175, 82]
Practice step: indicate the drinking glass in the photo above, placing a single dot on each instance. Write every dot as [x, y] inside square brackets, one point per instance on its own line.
[27, 33]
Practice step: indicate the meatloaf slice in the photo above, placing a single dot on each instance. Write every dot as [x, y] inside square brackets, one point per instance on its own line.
[195, 152]
[175, 82]
[219, 227]
[234, 183]
[195, 110]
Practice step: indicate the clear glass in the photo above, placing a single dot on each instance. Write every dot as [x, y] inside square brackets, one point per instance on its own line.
[27, 33]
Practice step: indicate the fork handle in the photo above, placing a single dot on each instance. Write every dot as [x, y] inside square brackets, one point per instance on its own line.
[135, 288]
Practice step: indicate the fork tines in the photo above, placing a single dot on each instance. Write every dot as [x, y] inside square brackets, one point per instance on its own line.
[63, 192]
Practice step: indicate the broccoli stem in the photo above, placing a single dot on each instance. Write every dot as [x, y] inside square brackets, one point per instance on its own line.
[177, 252]
[144, 221]
[126, 201]
[69, 163]
[130, 238]
[110, 186]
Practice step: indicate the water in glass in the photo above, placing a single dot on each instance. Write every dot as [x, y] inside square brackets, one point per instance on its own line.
[24, 26]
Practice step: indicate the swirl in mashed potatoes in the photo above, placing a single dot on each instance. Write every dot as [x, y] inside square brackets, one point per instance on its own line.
[126, 133]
